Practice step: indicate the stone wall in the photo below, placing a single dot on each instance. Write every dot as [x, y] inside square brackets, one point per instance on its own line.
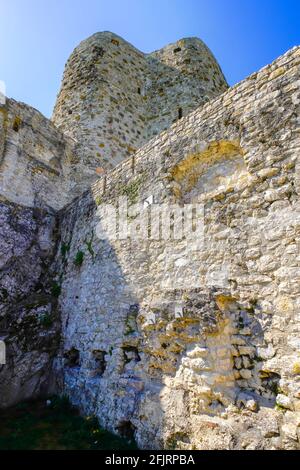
[114, 98]
[29, 318]
[39, 166]
[33, 155]
[43, 169]
[184, 345]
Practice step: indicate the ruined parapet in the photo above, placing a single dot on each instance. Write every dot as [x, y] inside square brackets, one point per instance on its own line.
[114, 98]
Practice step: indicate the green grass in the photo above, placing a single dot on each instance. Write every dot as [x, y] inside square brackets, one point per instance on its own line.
[36, 426]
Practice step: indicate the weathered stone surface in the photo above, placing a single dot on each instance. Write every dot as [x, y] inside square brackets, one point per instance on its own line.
[29, 320]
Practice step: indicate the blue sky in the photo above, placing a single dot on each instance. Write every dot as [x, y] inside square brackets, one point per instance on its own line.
[37, 36]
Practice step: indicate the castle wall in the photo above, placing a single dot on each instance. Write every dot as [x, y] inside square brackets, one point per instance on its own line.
[185, 344]
[39, 166]
[41, 171]
[36, 165]
[182, 77]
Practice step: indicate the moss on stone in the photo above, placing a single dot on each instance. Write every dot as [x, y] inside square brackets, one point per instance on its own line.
[132, 190]
[46, 320]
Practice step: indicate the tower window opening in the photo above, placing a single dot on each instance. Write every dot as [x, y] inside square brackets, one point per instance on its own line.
[180, 113]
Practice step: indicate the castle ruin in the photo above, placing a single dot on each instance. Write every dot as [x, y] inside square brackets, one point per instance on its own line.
[180, 343]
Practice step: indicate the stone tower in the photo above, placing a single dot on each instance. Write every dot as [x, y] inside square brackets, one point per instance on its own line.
[114, 98]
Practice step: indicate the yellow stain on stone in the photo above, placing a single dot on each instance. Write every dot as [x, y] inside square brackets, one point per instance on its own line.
[296, 368]
[4, 113]
[277, 73]
[284, 304]
[131, 149]
[189, 169]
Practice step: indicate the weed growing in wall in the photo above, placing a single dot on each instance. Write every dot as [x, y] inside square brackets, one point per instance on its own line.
[65, 248]
[55, 289]
[89, 246]
[79, 258]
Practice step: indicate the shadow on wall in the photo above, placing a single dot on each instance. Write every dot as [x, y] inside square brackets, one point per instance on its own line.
[102, 358]
[29, 319]
[151, 363]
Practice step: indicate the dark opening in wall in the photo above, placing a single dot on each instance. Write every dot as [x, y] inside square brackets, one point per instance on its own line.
[139, 91]
[270, 382]
[100, 362]
[115, 42]
[126, 429]
[72, 358]
[98, 50]
[180, 113]
[131, 354]
[178, 49]
[70, 111]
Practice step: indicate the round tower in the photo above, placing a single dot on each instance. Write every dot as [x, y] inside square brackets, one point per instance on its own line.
[114, 98]
[184, 75]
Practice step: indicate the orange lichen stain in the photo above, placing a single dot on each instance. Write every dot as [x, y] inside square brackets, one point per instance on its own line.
[189, 169]
[100, 170]
[3, 111]
[225, 303]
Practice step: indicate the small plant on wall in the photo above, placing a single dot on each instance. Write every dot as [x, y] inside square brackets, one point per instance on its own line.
[79, 258]
[65, 248]
[56, 289]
